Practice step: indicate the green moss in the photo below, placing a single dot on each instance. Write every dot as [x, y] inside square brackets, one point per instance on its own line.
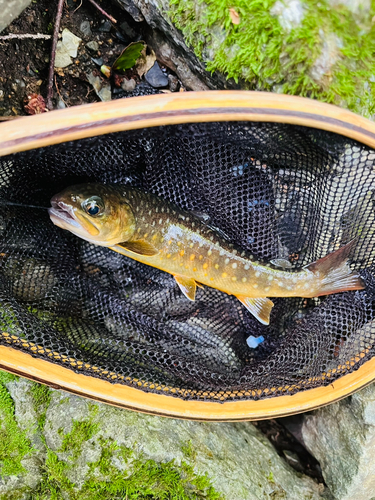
[265, 57]
[14, 445]
[189, 451]
[42, 398]
[82, 432]
[145, 479]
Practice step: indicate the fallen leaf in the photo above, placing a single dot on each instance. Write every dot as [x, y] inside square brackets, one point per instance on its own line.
[35, 104]
[145, 62]
[128, 56]
[235, 17]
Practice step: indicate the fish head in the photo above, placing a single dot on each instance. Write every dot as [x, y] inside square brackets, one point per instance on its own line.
[97, 213]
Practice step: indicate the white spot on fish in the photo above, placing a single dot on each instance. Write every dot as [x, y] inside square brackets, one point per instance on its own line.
[160, 221]
[255, 285]
[257, 274]
[244, 280]
[234, 278]
[162, 209]
[234, 252]
[226, 261]
[270, 277]
[167, 221]
[280, 283]
[267, 289]
[156, 210]
[149, 213]
[234, 265]
[246, 267]
[209, 252]
[289, 288]
[193, 224]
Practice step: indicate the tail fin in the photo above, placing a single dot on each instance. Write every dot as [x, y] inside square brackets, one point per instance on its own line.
[334, 271]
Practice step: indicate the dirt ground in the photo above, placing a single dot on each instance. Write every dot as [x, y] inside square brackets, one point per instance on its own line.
[24, 62]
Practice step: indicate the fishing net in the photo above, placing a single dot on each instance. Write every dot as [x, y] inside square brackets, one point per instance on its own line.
[278, 190]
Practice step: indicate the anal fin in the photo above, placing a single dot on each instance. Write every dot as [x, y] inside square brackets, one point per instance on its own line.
[187, 286]
[259, 307]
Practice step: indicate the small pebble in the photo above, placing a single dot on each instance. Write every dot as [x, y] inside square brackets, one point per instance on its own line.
[60, 104]
[155, 77]
[94, 46]
[128, 85]
[128, 30]
[98, 61]
[105, 27]
[174, 83]
[85, 29]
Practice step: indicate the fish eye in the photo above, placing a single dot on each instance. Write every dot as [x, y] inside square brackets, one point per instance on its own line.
[94, 206]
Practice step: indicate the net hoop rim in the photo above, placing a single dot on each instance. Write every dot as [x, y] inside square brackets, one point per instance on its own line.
[61, 378]
[90, 120]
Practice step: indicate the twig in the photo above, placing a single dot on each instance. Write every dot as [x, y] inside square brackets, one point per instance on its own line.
[79, 6]
[112, 19]
[18, 36]
[53, 54]
[58, 91]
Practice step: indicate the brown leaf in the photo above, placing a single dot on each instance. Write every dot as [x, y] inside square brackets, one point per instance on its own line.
[235, 17]
[35, 104]
[145, 62]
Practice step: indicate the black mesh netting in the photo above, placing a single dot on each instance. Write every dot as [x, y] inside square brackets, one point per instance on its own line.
[278, 190]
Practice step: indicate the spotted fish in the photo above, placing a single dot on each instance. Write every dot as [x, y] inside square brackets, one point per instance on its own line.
[155, 232]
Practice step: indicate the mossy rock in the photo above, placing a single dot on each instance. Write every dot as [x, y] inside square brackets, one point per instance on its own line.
[60, 446]
[324, 50]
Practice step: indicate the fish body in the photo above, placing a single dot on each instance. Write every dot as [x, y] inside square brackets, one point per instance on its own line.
[159, 234]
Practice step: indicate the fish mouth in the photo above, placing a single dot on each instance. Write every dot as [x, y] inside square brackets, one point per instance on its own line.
[62, 214]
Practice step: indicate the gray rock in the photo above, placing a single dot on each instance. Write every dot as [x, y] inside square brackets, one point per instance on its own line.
[128, 85]
[105, 27]
[132, 9]
[289, 13]
[239, 461]
[94, 46]
[342, 438]
[85, 28]
[155, 77]
[128, 30]
[10, 9]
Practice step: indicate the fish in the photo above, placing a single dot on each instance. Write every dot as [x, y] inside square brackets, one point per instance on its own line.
[155, 232]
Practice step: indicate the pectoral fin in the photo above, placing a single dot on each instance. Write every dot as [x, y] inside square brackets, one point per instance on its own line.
[140, 247]
[187, 286]
[260, 308]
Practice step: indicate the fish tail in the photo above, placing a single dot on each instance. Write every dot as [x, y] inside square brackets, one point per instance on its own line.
[334, 272]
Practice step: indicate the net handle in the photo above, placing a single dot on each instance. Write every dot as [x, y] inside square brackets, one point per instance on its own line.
[96, 119]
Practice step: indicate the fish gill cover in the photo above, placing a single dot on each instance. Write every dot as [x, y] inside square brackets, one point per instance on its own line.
[277, 190]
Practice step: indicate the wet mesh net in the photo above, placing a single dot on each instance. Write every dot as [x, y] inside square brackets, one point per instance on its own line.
[278, 190]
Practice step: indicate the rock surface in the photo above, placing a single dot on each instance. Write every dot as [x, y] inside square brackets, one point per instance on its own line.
[290, 46]
[10, 9]
[237, 458]
[342, 438]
